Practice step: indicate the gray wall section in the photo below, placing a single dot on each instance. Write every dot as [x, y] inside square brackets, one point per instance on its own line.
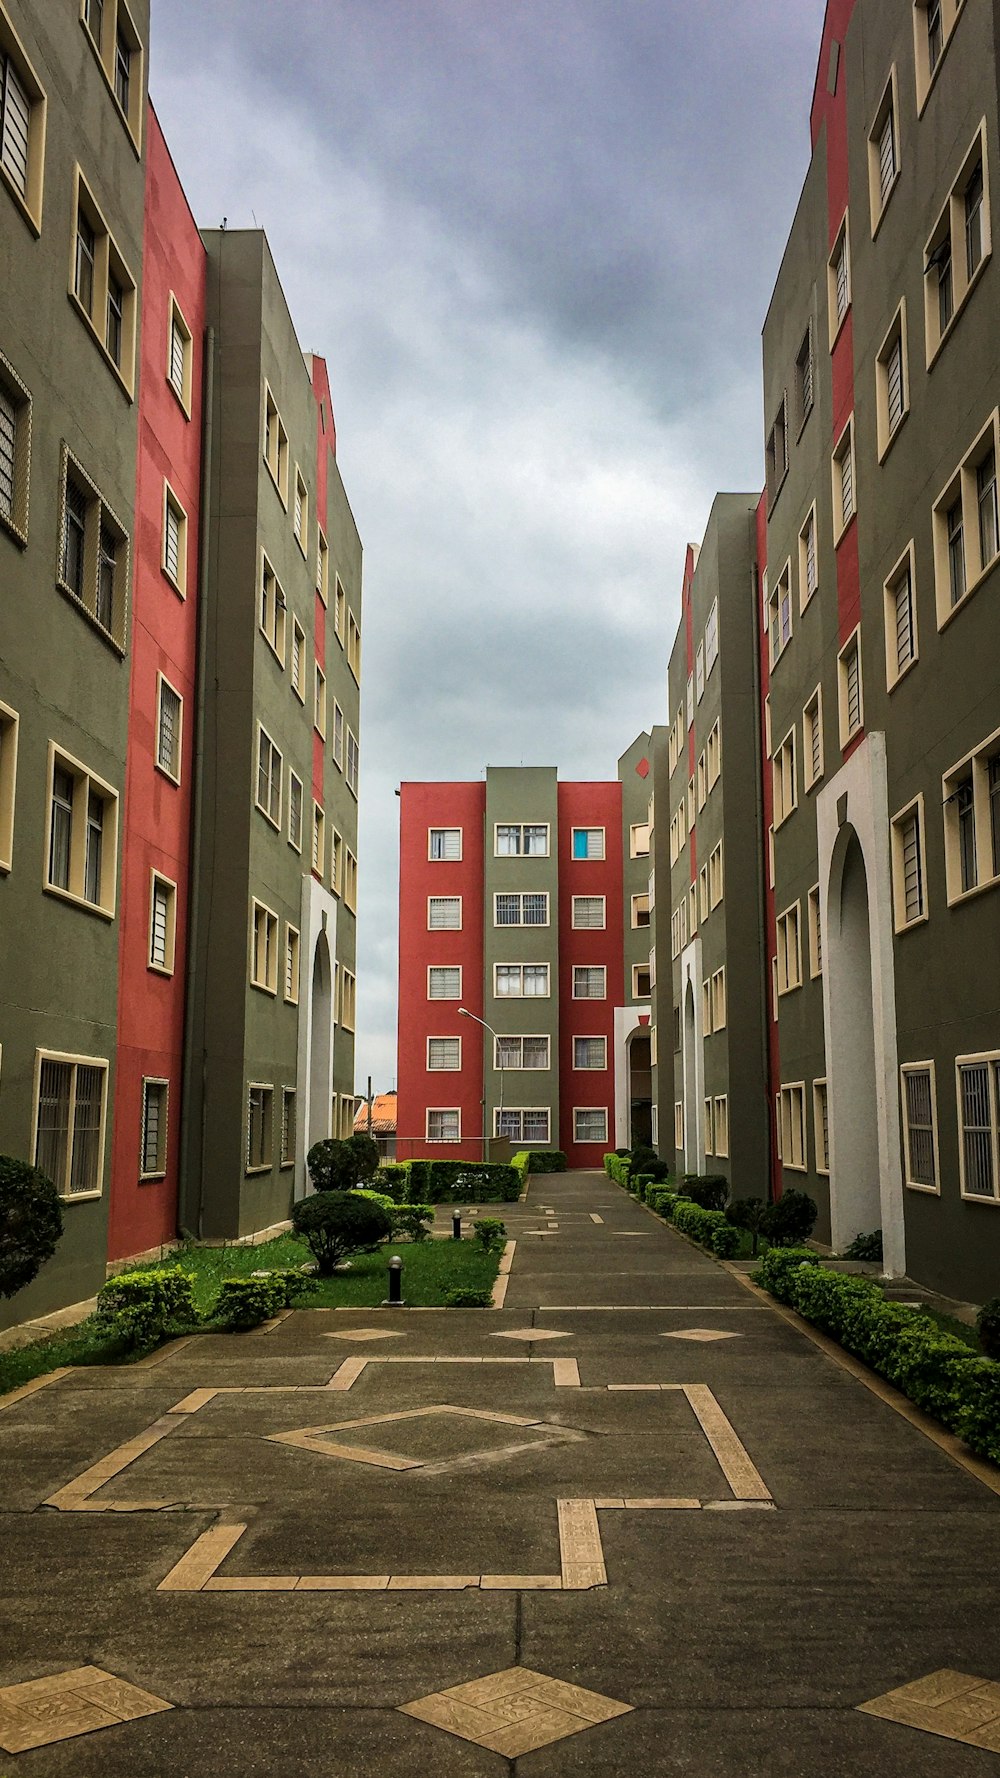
[659, 938]
[60, 962]
[522, 794]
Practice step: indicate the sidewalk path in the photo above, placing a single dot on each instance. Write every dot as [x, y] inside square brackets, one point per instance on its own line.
[632, 1522]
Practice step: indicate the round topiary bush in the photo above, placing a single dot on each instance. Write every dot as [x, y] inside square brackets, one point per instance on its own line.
[335, 1224]
[338, 1166]
[30, 1222]
[988, 1327]
[790, 1220]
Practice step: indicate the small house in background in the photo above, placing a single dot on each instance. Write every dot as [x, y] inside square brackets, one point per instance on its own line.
[383, 1123]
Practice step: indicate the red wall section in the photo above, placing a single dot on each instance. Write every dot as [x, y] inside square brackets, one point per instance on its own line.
[157, 814]
[589, 805]
[422, 806]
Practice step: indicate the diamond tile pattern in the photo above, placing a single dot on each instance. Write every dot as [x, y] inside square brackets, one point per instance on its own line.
[957, 1706]
[66, 1704]
[530, 1333]
[367, 1333]
[515, 1711]
[700, 1333]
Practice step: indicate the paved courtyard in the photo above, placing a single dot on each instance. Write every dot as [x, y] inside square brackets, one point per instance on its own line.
[633, 1521]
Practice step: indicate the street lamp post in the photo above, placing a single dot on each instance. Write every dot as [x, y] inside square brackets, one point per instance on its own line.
[466, 1014]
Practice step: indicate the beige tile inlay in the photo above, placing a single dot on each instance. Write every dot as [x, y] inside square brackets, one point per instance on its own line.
[317, 1439]
[32, 1387]
[731, 1455]
[580, 1546]
[516, 1711]
[368, 1333]
[75, 1496]
[565, 1373]
[199, 1563]
[701, 1333]
[594, 1217]
[957, 1706]
[526, 1583]
[347, 1374]
[61, 1705]
[530, 1333]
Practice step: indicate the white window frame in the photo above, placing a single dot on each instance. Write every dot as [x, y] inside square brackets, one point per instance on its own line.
[905, 566]
[908, 1068]
[520, 895]
[913, 810]
[992, 1060]
[451, 967]
[521, 967]
[28, 201]
[444, 1067]
[457, 859]
[520, 826]
[447, 926]
[602, 969]
[454, 1111]
[587, 1067]
[589, 1111]
[74, 1062]
[599, 925]
[521, 1038]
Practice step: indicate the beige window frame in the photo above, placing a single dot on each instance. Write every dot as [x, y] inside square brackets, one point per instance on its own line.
[916, 1125]
[805, 379]
[588, 1067]
[899, 594]
[352, 762]
[719, 1008]
[642, 985]
[319, 700]
[85, 786]
[815, 932]
[154, 1090]
[844, 481]
[260, 1127]
[808, 559]
[264, 931]
[722, 1125]
[93, 299]
[318, 851]
[692, 807]
[972, 771]
[821, 1127]
[716, 883]
[585, 924]
[348, 999]
[117, 21]
[702, 782]
[296, 809]
[702, 894]
[61, 1167]
[292, 964]
[963, 492]
[297, 663]
[851, 723]
[444, 903]
[985, 1128]
[779, 615]
[353, 647]
[590, 1111]
[768, 749]
[435, 1130]
[515, 972]
[274, 444]
[170, 768]
[322, 565]
[273, 610]
[907, 830]
[97, 519]
[289, 1127]
[792, 1104]
[336, 862]
[15, 418]
[788, 926]
[812, 741]
[776, 452]
[639, 906]
[268, 772]
[596, 970]
[167, 897]
[692, 903]
[838, 280]
[180, 354]
[638, 837]
[893, 350]
[708, 1125]
[300, 513]
[926, 75]
[435, 1065]
[947, 241]
[706, 1007]
[770, 857]
[173, 557]
[25, 184]
[9, 727]
[711, 637]
[713, 754]
[439, 840]
[678, 1124]
[883, 166]
[339, 611]
[508, 1052]
[444, 972]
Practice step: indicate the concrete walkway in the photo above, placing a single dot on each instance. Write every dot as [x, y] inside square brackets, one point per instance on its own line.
[632, 1522]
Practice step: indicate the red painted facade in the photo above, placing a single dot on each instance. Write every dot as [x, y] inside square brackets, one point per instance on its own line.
[157, 812]
[589, 805]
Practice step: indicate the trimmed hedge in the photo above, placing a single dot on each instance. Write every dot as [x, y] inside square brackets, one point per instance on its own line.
[937, 1371]
[140, 1308]
[521, 1164]
[708, 1227]
[449, 1182]
[617, 1168]
[546, 1160]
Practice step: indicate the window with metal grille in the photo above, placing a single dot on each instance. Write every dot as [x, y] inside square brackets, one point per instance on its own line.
[913, 882]
[260, 1103]
[589, 982]
[172, 541]
[289, 1104]
[444, 1054]
[8, 452]
[887, 155]
[444, 913]
[850, 670]
[177, 356]
[590, 1052]
[521, 909]
[291, 964]
[845, 465]
[813, 737]
[444, 982]
[69, 1129]
[352, 761]
[986, 500]
[168, 745]
[94, 856]
[318, 838]
[161, 925]
[895, 394]
[590, 1124]
[298, 646]
[589, 912]
[268, 778]
[15, 126]
[919, 1127]
[977, 1107]
[154, 1129]
[902, 611]
[841, 278]
[966, 814]
[444, 843]
[973, 204]
[443, 1126]
[804, 376]
[295, 811]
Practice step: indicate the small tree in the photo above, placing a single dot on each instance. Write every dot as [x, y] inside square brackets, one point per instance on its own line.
[30, 1222]
[336, 1223]
[340, 1166]
[748, 1213]
[789, 1221]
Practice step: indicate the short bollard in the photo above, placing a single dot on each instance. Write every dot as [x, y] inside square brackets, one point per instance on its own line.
[395, 1298]
[456, 1225]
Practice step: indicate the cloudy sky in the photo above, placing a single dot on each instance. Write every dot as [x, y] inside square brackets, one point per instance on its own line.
[534, 240]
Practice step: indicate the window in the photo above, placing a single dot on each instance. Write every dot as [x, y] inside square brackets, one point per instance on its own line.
[180, 354]
[289, 1107]
[641, 981]
[812, 740]
[920, 1145]
[263, 948]
[852, 713]
[353, 646]
[966, 523]
[350, 879]
[268, 791]
[589, 913]
[588, 842]
[153, 1130]
[589, 981]
[528, 1124]
[839, 281]
[789, 950]
[336, 861]
[8, 782]
[70, 1112]
[338, 736]
[515, 981]
[15, 451]
[517, 840]
[815, 933]
[83, 834]
[702, 898]
[708, 1132]
[722, 1125]
[933, 23]
[348, 999]
[298, 660]
[713, 754]
[699, 672]
[715, 876]
[352, 761]
[295, 811]
[521, 910]
[119, 54]
[339, 612]
[291, 964]
[792, 1112]
[706, 1008]
[444, 844]
[521, 1052]
[807, 559]
[640, 911]
[821, 1126]
[103, 288]
[702, 782]
[260, 1107]
[22, 127]
[718, 999]
[777, 452]
[444, 1054]
[322, 565]
[892, 385]
[909, 868]
[958, 247]
[883, 153]
[300, 512]
[590, 1123]
[94, 553]
[711, 637]
[804, 379]
[318, 839]
[444, 982]
[275, 449]
[679, 1124]
[971, 793]
[779, 614]
[444, 913]
[444, 1126]
[272, 609]
[844, 504]
[319, 701]
[162, 923]
[174, 560]
[691, 809]
[169, 721]
[590, 1052]
[900, 619]
[977, 1120]
[639, 839]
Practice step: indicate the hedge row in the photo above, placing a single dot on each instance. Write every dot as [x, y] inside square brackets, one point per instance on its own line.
[449, 1182]
[936, 1370]
[143, 1307]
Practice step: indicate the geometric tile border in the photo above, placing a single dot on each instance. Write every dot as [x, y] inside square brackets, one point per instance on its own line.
[313, 1438]
[65, 1704]
[957, 1706]
[702, 1333]
[531, 1333]
[514, 1712]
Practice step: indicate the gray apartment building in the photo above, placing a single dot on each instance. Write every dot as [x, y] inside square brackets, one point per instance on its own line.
[72, 115]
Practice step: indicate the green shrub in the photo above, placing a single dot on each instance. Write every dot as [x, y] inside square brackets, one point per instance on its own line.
[468, 1296]
[141, 1308]
[789, 1221]
[748, 1214]
[546, 1160]
[726, 1240]
[469, 1182]
[30, 1222]
[412, 1220]
[375, 1197]
[246, 1302]
[988, 1327]
[491, 1233]
[662, 1199]
[338, 1166]
[778, 1268]
[393, 1179]
[708, 1190]
[521, 1164]
[865, 1246]
[617, 1169]
[335, 1224]
[979, 1419]
[418, 1182]
[701, 1225]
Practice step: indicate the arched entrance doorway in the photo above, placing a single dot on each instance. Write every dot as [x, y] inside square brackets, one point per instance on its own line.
[640, 1076]
[856, 1207]
[321, 1048]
